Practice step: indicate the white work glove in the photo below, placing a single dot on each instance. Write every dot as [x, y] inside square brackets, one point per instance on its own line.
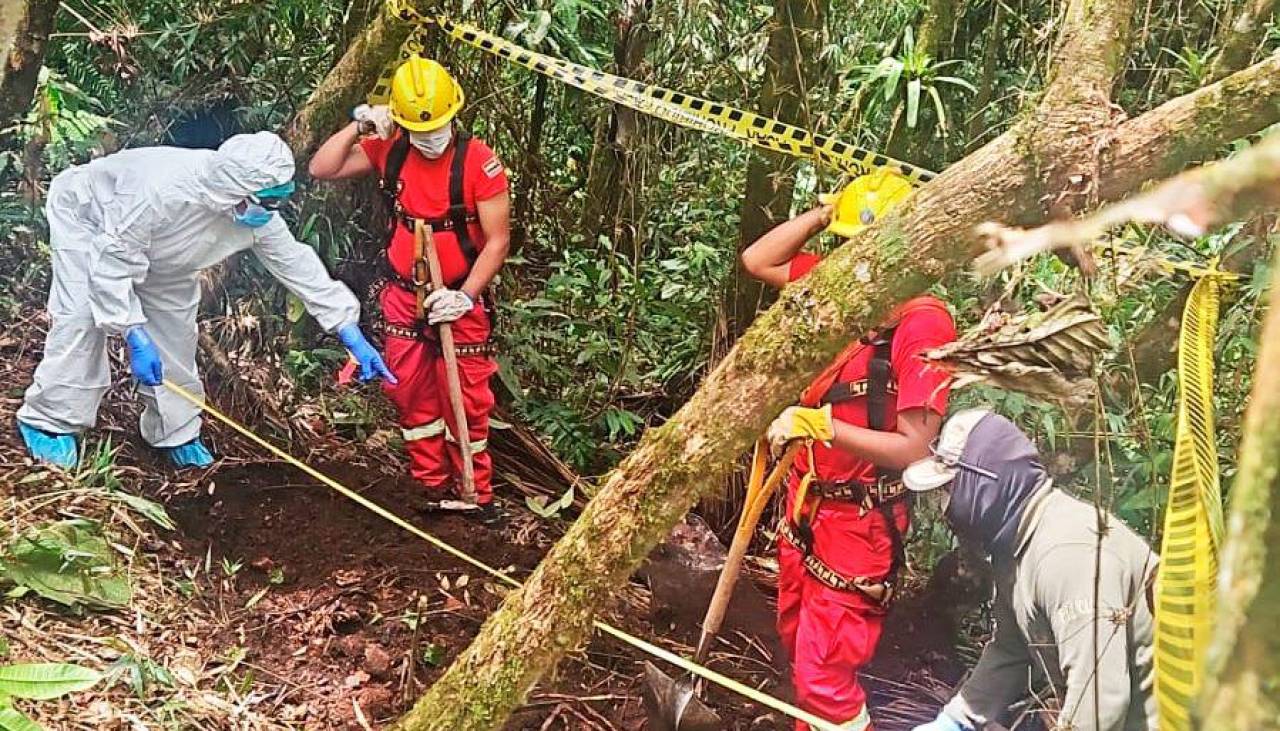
[376, 119]
[446, 305]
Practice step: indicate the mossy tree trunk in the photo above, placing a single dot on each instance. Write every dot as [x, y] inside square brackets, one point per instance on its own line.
[1240, 692]
[791, 64]
[346, 84]
[928, 238]
[24, 30]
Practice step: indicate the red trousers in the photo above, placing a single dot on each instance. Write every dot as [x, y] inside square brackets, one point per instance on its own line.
[831, 633]
[422, 396]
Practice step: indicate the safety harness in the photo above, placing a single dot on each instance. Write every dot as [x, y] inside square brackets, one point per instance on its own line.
[457, 219]
[885, 492]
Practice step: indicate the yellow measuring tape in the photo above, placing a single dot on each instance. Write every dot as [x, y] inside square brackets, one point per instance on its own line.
[648, 648]
[1186, 589]
[676, 107]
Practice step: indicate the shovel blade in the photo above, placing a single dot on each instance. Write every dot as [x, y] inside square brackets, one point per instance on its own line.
[672, 705]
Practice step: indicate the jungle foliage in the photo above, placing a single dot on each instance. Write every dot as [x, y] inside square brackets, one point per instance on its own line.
[613, 306]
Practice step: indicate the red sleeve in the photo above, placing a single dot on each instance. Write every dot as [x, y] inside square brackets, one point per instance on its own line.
[376, 149]
[801, 264]
[921, 384]
[486, 171]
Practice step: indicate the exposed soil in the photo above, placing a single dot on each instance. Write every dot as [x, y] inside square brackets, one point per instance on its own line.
[336, 625]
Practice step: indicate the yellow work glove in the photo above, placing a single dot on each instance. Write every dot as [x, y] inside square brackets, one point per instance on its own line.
[799, 422]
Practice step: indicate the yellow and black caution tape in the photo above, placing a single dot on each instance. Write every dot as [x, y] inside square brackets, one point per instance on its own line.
[673, 106]
[1186, 589]
[648, 648]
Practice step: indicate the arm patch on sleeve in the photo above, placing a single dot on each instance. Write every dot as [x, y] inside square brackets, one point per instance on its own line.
[492, 167]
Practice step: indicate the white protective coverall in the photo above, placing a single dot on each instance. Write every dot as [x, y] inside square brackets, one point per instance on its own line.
[130, 233]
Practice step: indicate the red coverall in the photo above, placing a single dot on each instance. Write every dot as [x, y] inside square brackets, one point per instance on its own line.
[422, 396]
[830, 633]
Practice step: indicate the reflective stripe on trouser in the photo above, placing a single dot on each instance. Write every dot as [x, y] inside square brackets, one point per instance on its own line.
[74, 371]
[422, 397]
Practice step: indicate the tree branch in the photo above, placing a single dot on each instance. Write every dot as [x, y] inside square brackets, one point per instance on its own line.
[346, 84]
[1188, 205]
[1238, 39]
[1191, 128]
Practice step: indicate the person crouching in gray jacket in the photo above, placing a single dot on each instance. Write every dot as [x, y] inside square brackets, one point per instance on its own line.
[1072, 586]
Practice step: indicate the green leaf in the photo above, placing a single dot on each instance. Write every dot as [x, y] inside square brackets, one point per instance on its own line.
[295, 310]
[44, 681]
[938, 107]
[12, 720]
[892, 78]
[913, 102]
[152, 511]
[67, 562]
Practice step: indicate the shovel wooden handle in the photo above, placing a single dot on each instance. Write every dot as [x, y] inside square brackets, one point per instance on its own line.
[427, 244]
[758, 493]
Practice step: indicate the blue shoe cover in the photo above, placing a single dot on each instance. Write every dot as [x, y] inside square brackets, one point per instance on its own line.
[56, 449]
[191, 454]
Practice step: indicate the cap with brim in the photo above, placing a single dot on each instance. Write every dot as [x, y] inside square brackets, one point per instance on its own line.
[927, 474]
[935, 471]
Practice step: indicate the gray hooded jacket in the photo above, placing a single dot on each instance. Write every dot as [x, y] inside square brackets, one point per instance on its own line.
[1052, 553]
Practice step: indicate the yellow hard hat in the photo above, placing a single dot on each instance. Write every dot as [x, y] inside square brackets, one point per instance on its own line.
[423, 95]
[864, 200]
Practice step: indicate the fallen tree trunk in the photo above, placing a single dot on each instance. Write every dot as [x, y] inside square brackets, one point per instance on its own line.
[1244, 653]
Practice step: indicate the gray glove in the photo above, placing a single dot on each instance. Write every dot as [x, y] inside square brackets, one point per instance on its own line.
[446, 305]
[374, 119]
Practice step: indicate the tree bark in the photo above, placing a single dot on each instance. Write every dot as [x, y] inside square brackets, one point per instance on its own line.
[346, 84]
[1239, 693]
[794, 38]
[24, 30]
[610, 196]
[1238, 39]
[922, 241]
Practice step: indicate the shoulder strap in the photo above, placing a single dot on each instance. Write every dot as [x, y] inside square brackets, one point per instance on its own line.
[390, 183]
[458, 198]
[879, 375]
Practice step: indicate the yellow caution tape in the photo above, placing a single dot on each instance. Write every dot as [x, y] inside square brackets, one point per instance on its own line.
[648, 648]
[1186, 589]
[676, 107]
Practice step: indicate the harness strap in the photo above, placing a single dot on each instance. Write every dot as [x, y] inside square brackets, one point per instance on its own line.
[878, 590]
[487, 348]
[458, 201]
[849, 390]
[879, 377]
[868, 496]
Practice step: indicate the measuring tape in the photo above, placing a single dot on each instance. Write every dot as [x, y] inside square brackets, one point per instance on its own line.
[676, 107]
[648, 648]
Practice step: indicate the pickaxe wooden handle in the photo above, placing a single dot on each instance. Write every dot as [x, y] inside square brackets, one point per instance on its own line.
[427, 244]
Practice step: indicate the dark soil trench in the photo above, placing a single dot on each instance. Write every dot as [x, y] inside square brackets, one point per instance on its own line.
[333, 592]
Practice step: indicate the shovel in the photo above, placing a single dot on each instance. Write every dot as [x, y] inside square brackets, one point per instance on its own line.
[426, 245]
[673, 705]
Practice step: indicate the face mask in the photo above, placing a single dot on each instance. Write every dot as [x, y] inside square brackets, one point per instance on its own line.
[432, 144]
[252, 215]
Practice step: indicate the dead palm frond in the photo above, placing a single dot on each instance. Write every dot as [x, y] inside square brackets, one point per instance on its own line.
[1048, 355]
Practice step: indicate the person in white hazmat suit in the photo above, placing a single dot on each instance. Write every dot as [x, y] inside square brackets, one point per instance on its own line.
[130, 233]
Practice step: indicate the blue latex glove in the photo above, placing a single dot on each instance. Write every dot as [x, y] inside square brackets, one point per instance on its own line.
[371, 364]
[191, 454]
[144, 359]
[942, 723]
[56, 449]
